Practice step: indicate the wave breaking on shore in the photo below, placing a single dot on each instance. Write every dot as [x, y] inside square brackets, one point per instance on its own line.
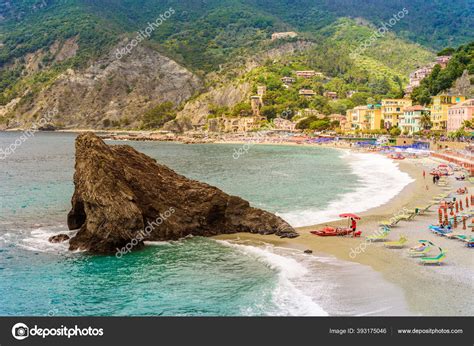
[379, 180]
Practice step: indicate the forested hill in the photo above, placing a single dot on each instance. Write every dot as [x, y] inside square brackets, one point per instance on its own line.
[50, 49]
[213, 28]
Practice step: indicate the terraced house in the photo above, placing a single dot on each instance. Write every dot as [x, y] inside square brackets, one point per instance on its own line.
[412, 119]
[459, 113]
[439, 109]
[356, 118]
[373, 117]
[392, 109]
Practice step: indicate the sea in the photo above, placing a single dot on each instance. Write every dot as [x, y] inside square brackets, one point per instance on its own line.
[194, 276]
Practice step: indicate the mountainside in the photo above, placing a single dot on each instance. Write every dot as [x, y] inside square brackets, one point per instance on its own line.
[457, 77]
[63, 53]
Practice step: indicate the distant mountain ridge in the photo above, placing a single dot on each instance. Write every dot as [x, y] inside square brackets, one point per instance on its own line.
[40, 44]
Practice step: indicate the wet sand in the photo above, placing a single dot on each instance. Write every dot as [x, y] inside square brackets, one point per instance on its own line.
[429, 290]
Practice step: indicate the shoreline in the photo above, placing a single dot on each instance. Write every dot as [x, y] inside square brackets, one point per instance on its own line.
[422, 285]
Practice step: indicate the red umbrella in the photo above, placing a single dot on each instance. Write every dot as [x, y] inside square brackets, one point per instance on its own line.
[354, 216]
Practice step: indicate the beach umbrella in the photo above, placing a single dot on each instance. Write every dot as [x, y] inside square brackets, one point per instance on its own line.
[440, 216]
[446, 219]
[472, 199]
[457, 207]
[467, 202]
[451, 208]
[455, 221]
[349, 215]
[464, 222]
[460, 205]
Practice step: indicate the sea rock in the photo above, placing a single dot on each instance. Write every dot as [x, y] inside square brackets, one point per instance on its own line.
[123, 197]
[59, 238]
[47, 127]
[308, 251]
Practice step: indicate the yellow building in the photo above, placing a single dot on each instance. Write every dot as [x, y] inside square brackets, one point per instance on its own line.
[373, 117]
[356, 118]
[439, 109]
[363, 118]
[392, 109]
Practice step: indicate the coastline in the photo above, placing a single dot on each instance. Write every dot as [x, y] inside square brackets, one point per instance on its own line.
[424, 287]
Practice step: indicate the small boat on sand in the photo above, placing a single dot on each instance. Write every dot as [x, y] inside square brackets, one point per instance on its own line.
[334, 232]
[396, 156]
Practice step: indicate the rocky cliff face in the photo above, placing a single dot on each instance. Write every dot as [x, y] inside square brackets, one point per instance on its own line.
[226, 91]
[117, 89]
[463, 86]
[124, 197]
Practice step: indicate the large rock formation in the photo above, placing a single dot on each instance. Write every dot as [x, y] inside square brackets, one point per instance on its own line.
[122, 196]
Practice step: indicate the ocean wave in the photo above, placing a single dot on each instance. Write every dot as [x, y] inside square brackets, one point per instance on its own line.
[287, 297]
[38, 240]
[380, 180]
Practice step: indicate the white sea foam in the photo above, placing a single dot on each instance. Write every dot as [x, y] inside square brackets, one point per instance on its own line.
[288, 298]
[38, 240]
[380, 180]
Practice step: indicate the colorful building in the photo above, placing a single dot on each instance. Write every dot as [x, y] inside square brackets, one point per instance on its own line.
[410, 122]
[392, 109]
[288, 80]
[460, 113]
[356, 118]
[443, 60]
[307, 92]
[330, 95]
[373, 117]
[308, 74]
[439, 109]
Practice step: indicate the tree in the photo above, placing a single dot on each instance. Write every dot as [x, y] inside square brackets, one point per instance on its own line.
[425, 121]
[306, 122]
[395, 131]
[320, 124]
[242, 109]
[157, 116]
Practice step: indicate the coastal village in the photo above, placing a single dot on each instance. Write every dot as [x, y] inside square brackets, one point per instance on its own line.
[447, 113]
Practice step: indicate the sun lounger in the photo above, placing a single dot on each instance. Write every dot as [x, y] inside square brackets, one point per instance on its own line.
[425, 209]
[408, 217]
[392, 222]
[379, 236]
[434, 260]
[440, 231]
[419, 250]
[397, 244]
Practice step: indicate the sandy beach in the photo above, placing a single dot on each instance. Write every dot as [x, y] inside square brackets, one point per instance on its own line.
[429, 290]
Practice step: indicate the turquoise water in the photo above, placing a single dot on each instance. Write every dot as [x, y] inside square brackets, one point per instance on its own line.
[191, 277]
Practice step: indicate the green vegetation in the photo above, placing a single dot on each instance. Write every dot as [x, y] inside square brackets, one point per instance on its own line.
[206, 35]
[158, 116]
[442, 79]
[369, 77]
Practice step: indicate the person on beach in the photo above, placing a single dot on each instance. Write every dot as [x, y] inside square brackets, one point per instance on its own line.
[353, 225]
[434, 179]
[424, 174]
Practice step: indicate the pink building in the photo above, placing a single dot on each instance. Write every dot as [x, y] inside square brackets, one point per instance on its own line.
[443, 60]
[459, 113]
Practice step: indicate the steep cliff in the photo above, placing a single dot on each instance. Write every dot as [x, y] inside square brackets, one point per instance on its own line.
[113, 90]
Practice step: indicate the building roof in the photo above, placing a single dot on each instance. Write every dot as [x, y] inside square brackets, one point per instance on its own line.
[467, 103]
[415, 108]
